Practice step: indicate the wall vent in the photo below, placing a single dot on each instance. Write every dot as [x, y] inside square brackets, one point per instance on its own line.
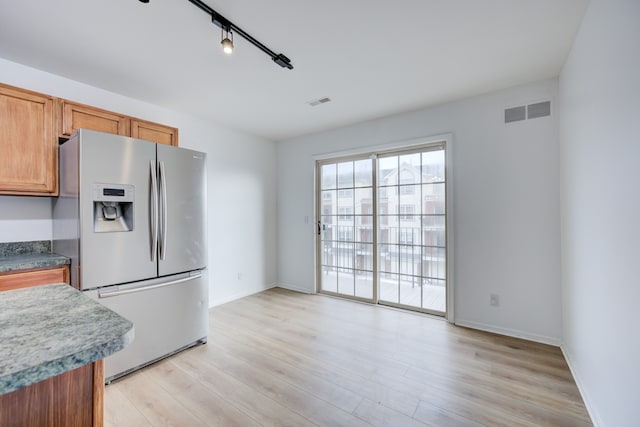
[515, 114]
[541, 109]
[531, 111]
[319, 101]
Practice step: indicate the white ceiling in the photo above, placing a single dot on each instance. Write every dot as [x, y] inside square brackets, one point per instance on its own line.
[373, 58]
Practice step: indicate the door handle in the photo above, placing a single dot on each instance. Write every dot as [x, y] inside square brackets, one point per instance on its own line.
[153, 211]
[147, 288]
[163, 211]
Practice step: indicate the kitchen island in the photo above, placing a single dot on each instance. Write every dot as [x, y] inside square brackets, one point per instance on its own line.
[52, 342]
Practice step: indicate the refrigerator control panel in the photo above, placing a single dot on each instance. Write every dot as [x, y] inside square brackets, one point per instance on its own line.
[113, 193]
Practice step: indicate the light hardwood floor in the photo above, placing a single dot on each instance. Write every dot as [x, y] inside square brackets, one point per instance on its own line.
[281, 358]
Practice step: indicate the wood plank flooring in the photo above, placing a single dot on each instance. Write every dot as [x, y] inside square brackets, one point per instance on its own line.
[280, 358]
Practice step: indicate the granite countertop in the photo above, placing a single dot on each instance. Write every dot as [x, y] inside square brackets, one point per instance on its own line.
[27, 255]
[47, 330]
[28, 261]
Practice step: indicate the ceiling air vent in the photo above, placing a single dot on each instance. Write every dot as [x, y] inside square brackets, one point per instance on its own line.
[319, 101]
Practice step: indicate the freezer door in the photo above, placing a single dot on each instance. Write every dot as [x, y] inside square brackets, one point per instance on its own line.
[115, 244]
[168, 314]
[182, 232]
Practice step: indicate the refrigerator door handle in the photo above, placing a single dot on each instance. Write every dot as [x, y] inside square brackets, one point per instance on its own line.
[146, 288]
[154, 211]
[163, 211]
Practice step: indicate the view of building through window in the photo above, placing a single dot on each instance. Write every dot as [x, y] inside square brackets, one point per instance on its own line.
[410, 244]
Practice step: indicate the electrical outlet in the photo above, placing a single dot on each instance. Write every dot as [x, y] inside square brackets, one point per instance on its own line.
[494, 300]
[239, 276]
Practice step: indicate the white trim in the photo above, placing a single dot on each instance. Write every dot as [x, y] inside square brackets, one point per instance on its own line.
[220, 301]
[588, 403]
[448, 182]
[510, 332]
[405, 143]
[295, 288]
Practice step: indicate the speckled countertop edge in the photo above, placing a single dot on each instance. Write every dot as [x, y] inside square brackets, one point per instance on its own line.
[15, 256]
[47, 330]
[29, 261]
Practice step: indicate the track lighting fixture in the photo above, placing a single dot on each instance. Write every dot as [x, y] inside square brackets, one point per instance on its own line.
[227, 43]
[229, 27]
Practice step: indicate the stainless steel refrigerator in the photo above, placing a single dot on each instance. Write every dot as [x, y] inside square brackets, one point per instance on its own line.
[131, 216]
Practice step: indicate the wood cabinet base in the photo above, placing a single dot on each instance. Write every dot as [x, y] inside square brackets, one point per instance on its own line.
[74, 398]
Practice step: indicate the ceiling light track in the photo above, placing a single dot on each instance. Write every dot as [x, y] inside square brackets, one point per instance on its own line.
[229, 27]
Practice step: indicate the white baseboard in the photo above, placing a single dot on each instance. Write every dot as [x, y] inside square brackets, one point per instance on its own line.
[595, 417]
[295, 288]
[224, 300]
[509, 332]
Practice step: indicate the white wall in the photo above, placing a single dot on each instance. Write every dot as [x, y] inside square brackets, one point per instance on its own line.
[241, 186]
[600, 146]
[506, 206]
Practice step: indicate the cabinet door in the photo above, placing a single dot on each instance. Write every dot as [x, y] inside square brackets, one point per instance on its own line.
[26, 279]
[76, 116]
[154, 132]
[28, 143]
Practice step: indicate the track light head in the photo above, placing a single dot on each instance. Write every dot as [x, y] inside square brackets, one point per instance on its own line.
[227, 37]
[227, 45]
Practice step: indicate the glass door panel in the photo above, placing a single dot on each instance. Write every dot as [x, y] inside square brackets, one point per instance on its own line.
[346, 228]
[411, 233]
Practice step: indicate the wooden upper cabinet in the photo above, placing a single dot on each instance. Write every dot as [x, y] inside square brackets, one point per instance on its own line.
[76, 116]
[154, 132]
[28, 143]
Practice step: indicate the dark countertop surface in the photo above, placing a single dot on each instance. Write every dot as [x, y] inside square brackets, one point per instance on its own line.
[47, 330]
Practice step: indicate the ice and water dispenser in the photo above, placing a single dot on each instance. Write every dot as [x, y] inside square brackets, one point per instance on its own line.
[112, 208]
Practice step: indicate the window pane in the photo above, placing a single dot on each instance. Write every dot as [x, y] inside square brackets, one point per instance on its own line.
[345, 255]
[433, 166]
[329, 252]
[329, 279]
[329, 200]
[410, 261]
[433, 199]
[434, 264]
[410, 169]
[388, 201]
[345, 200]
[387, 171]
[433, 230]
[345, 281]
[363, 173]
[364, 229]
[328, 176]
[434, 295]
[364, 284]
[364, 256]
[345, 175]
[328, 229]
[344, 233]
[389, 287]
[410, 292]
[364, 201]
[388, 258]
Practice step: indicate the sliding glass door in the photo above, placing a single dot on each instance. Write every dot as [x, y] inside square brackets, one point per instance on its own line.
[346, 228]
[397, 256]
